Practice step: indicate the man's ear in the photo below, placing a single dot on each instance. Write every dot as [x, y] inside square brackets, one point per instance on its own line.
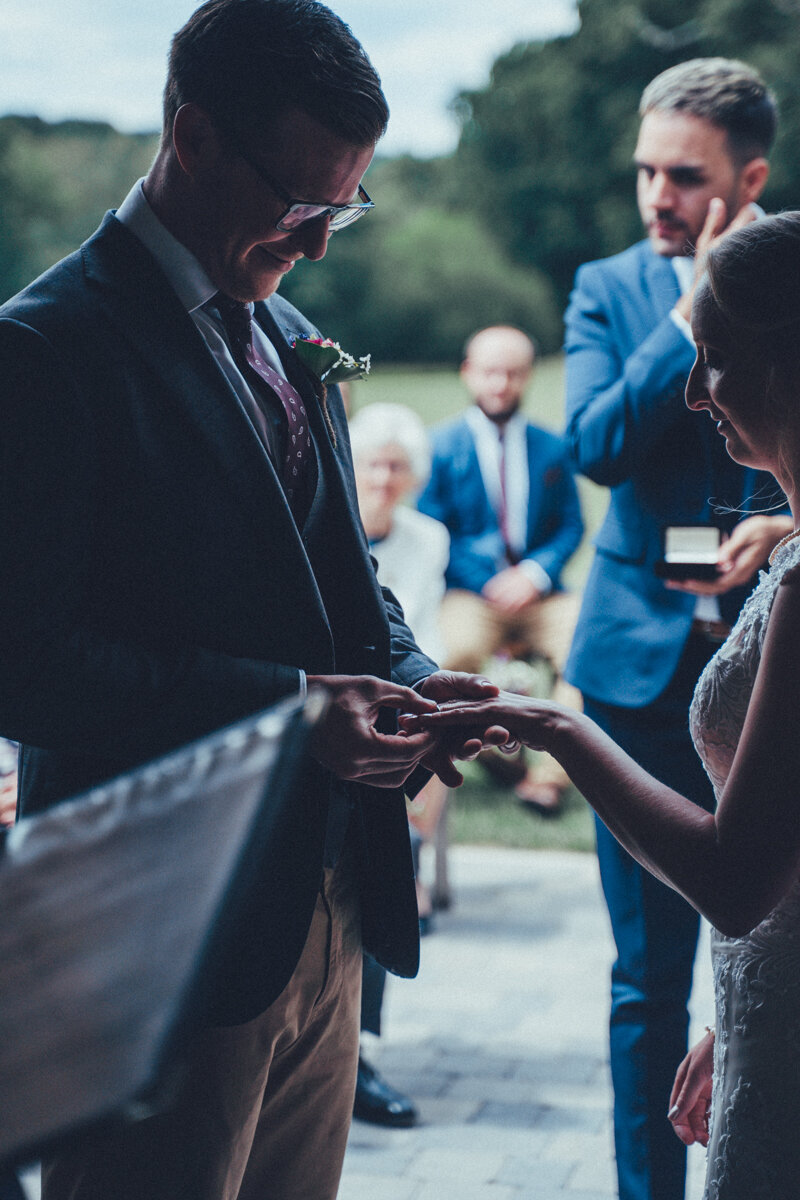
[753, 179]
[194, 138]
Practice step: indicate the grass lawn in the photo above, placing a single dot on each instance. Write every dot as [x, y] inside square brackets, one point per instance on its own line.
[480, 812]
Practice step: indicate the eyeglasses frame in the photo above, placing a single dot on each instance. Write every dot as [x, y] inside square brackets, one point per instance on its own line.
[293, 203]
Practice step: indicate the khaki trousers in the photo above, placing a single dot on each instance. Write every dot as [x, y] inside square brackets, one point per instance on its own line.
[264, 1108]
[473, 631]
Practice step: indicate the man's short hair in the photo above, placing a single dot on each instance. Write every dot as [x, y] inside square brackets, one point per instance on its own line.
[247, 62]
[724, 91]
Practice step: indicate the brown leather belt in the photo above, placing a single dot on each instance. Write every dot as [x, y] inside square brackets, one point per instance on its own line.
[714, 631]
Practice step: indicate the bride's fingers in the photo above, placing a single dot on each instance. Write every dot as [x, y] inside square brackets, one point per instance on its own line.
[456, 714]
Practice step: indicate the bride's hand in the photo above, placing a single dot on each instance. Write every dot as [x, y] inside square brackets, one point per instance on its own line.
[690, 1101]
[527, 720]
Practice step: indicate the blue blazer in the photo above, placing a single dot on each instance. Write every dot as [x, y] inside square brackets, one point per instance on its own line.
[157, 586]
[456, 496]
[629, 428]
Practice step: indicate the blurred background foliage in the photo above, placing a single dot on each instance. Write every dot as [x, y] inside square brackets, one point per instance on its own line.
[541, 181]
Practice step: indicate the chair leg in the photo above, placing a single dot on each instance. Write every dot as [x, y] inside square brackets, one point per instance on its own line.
[441, 895]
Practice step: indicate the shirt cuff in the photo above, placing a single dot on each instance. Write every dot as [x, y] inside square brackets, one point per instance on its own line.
[302, 687]
[680, 322]
[537, 575]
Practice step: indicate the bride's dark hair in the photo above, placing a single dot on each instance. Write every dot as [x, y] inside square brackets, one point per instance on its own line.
[754, 276]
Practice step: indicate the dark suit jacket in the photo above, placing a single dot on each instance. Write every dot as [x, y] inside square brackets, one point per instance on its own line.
[630, 429]
[156, 585]
[456, 496]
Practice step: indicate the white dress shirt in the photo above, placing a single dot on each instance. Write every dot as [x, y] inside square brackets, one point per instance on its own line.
[486, 435]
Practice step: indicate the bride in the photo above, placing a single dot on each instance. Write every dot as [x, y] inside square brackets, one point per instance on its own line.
[739, 867]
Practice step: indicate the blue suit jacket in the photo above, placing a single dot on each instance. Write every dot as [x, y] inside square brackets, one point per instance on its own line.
[157, 586]
[629, 428]
[456, 496]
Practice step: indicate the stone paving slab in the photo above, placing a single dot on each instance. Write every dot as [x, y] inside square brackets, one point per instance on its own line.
[501, 1041]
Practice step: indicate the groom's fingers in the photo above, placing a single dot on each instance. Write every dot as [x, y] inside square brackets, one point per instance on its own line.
[449, 718]
[457, 685]
[440, 762]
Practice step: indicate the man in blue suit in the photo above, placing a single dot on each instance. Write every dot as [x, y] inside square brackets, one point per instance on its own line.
[181, 543]
[505, 490]
[641, 643]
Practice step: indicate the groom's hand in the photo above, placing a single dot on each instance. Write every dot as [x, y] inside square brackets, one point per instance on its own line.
[346, 740]
[451, 744]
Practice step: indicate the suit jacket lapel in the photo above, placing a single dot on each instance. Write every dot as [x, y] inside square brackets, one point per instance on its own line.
[165, 336]
[168, 339]
[333, 515]
[329, 475]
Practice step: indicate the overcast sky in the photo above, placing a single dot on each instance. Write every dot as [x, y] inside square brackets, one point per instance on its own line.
[105, 59]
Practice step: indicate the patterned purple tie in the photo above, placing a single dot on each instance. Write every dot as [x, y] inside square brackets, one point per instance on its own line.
[238, 324]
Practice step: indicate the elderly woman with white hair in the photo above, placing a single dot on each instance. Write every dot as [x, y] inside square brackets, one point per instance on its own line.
[392, 460]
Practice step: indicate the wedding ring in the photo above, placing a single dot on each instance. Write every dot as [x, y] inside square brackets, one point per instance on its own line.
[510, 747]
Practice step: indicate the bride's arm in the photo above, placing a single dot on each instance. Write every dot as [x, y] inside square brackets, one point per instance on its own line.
[733, 867]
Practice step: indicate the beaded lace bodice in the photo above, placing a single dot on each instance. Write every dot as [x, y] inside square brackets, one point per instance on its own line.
[757, 977]
[723, 691]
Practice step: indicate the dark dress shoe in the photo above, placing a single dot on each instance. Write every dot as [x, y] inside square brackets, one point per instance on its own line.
[378, 1102]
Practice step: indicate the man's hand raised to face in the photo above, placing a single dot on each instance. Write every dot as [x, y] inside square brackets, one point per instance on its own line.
[715, 228]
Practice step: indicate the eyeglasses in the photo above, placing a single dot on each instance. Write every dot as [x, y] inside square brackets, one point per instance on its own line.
[298, 212]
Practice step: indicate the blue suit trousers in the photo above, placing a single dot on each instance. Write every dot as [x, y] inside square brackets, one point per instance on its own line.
[655, 932]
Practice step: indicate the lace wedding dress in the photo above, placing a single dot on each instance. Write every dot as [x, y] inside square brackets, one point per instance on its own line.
[754, 1149]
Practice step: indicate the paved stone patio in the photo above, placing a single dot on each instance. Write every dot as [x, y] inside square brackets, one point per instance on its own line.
[501, 1040]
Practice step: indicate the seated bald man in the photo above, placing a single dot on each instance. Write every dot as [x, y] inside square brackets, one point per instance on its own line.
[505, 490]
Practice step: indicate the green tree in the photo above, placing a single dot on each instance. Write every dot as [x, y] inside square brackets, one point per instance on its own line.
[22, 204]
[411, 281]
[56, 181]
[545, 151]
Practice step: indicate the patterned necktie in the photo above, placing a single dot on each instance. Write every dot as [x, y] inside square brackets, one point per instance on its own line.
[238, 325]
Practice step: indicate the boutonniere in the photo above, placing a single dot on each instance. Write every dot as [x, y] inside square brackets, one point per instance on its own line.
[328, 361]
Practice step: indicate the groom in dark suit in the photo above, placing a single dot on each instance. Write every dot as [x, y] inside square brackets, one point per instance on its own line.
[181, 547]
[640, 644]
